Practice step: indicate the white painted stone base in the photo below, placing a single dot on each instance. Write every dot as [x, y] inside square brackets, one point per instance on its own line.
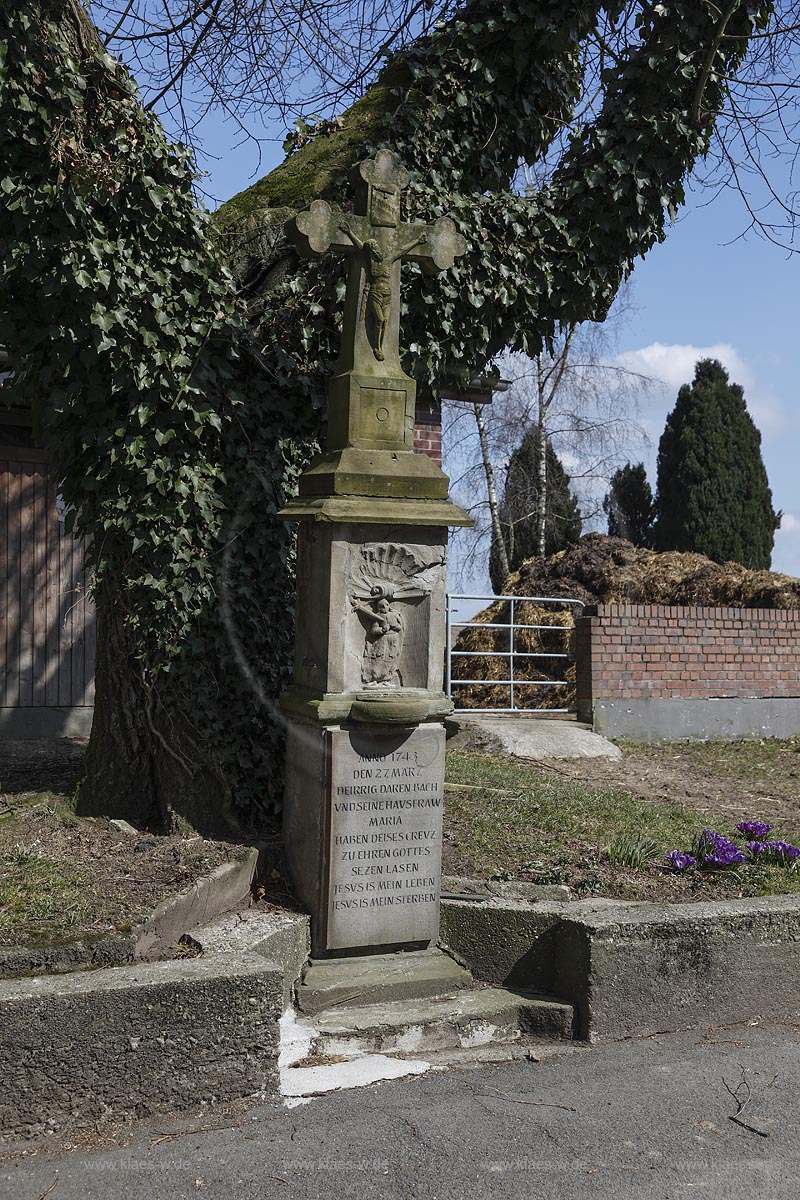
[299, 1084]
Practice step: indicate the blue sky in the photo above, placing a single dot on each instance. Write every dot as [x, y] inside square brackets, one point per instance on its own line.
[704, 292]
[701, 294]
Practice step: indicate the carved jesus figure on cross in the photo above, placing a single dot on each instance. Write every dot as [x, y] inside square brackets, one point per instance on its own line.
[379, 287]
[377, 241]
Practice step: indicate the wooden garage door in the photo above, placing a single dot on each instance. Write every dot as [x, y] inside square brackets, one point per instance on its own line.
[46, 617]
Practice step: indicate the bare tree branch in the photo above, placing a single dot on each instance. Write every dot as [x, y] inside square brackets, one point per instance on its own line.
[256, 60]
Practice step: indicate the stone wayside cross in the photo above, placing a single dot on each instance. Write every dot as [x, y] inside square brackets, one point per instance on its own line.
[371, 399]
[365, 739]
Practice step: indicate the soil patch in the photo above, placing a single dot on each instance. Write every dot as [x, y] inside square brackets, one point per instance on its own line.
[63, 877]
[50, 765]
[754, 779]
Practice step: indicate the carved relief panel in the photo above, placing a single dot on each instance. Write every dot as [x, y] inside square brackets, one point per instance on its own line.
[389, 588]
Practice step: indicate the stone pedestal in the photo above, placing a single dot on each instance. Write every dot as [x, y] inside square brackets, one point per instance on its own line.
[365, 765]
[363, 825]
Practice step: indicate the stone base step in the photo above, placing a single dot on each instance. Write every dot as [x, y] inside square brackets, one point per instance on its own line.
[377, 979]
[464, 1020]
[524, 1050]
[314, 1077]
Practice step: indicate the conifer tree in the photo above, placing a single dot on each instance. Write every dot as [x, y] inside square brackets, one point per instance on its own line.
[519, 508]
[713, 493]
[629, 505]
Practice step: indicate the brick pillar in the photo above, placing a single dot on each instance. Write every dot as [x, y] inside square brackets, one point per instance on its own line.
[585, 645]
[428, 430]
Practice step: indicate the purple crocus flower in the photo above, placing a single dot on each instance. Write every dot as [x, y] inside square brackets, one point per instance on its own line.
[679, 860]
[710, 837]
[781, 853]
[711, 843]
[754, 829]
[726, 855]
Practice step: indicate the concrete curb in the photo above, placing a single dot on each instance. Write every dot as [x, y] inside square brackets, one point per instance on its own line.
[281, 937]
[135, 1040]
[86, 1047]
[122, 1042]
[66, 956]
[224, 888]
[632, 969]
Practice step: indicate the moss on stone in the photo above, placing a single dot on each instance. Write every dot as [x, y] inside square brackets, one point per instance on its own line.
[316, 169]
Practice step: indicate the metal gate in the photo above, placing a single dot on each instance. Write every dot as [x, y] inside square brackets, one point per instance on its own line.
[512, 654]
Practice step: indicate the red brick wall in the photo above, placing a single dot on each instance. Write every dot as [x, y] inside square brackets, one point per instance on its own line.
[428, 431]
[654, 651]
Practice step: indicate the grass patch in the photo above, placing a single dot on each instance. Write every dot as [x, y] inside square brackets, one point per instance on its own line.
[549, 814]
[632, 850]
[41, 899]
[508, 820]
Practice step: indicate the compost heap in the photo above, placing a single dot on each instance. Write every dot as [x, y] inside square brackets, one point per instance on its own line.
[596, 570]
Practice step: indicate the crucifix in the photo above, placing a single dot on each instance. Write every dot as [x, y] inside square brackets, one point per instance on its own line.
[376, 241]
[371, 399]
[370, 632]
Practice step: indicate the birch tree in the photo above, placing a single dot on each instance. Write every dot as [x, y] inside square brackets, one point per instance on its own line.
[579, 401]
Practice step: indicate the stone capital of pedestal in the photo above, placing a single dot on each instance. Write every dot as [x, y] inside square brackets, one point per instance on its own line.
[365, 708]
[371, 510]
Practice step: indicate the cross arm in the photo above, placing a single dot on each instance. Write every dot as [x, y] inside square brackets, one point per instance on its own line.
[435, 247]
[319, 228]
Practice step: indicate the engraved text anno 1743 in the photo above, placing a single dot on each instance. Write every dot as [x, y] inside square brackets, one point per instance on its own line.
[385, 836]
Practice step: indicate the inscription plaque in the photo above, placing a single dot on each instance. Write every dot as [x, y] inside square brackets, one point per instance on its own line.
[385, 836]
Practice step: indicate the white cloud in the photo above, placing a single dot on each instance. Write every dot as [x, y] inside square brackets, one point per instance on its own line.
[790, 524]
[673, 365]
[572, 463]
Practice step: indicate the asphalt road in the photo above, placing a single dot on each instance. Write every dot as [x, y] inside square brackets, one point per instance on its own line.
[649, 1118]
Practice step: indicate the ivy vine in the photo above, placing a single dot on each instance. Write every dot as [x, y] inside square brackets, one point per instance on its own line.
[181, 398]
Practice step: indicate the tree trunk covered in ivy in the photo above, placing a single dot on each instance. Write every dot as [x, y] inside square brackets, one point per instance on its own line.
[181, 404]
[127, 338]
